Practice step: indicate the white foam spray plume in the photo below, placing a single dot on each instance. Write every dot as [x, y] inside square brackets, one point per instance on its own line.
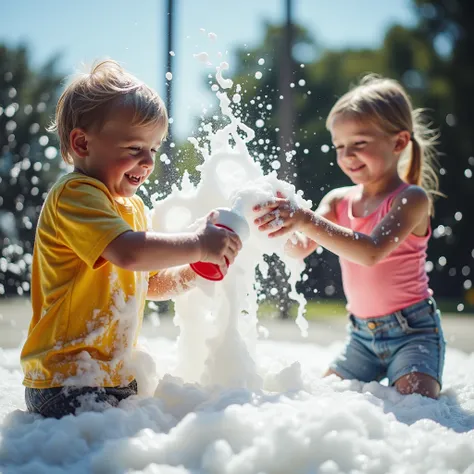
[218, 320]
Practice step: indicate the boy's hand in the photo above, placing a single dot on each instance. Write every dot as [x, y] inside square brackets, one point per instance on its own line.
[281, 216]
[217, 244]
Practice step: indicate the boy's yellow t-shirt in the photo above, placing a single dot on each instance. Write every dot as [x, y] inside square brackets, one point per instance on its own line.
[87, 312]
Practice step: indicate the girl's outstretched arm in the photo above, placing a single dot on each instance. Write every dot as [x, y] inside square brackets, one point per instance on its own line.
[409, 209]
[300, 245]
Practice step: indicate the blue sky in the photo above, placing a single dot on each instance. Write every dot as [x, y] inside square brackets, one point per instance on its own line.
[134, 34]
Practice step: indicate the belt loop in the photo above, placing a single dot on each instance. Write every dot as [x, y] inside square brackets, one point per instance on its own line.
[353, 321]
[401, 320]
[433, 304]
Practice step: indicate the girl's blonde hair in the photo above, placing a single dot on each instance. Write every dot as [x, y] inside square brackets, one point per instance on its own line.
[385, 103]
[88, 101]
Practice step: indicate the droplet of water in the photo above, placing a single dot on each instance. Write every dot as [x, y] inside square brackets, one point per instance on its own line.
[51, 152]
[450, 120]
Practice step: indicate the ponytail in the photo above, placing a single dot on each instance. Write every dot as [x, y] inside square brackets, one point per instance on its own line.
[420, 166]
[413, 172]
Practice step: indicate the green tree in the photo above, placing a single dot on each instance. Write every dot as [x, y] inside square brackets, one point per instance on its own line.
[29, 160]
[447, 25]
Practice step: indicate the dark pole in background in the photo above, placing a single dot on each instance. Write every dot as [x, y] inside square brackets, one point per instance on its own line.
[165, 174]
[286, 109]
[165, 169]
[286, 119]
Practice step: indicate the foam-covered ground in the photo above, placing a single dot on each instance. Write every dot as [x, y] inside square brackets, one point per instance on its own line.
[299, 423]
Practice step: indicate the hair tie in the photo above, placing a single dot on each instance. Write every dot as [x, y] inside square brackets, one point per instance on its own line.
[412, 136]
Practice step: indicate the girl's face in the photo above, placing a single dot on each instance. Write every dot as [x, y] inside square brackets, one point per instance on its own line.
[364, 152]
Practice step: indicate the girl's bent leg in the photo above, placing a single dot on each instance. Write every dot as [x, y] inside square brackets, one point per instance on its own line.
[420, 383]
[331, 372]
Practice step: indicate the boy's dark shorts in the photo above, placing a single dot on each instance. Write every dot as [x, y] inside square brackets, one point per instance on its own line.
[61, 401]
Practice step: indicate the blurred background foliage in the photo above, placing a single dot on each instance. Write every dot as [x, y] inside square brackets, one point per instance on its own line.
[433, 60]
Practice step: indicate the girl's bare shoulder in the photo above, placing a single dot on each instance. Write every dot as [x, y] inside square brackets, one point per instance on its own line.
[327, 206]
[336, 195]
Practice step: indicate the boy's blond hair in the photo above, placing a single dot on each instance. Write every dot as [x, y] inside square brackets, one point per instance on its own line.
[386, 104]
[90, 98]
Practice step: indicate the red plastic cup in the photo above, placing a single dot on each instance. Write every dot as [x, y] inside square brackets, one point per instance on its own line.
[211, 271]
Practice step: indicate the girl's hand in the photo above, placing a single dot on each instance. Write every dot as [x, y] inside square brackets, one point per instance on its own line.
[281, 216]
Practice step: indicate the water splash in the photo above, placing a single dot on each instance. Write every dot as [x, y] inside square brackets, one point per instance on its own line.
[218, 320]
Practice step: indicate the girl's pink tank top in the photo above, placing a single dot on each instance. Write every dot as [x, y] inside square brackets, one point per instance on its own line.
[398, 281]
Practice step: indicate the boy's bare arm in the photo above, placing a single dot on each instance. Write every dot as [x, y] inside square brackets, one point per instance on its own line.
[171, 282]
[148, 251]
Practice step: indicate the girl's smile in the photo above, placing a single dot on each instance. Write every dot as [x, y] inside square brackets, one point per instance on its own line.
[357, 168]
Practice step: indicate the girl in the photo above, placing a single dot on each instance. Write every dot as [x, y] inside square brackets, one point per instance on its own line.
[379, 228]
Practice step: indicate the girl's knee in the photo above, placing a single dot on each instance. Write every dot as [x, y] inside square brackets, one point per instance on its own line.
[419, 383]
[332, 372]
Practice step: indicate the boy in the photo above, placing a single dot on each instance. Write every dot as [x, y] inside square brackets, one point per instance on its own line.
[94, 260]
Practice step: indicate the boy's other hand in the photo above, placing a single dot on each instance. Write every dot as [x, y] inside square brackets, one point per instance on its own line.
[217, 244]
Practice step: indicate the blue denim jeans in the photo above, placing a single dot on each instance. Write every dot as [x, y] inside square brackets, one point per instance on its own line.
[409, 340]
[60, 401]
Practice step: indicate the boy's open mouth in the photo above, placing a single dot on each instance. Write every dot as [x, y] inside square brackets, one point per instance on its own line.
[133, 179]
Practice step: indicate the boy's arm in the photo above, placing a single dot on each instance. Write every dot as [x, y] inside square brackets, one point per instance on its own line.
[171, 282]
[148, 251]
[300, 245]
[408, 210]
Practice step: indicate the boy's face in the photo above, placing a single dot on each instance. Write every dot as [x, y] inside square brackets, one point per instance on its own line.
[120, 155]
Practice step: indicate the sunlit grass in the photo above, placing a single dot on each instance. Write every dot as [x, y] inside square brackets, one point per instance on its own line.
[321, 309]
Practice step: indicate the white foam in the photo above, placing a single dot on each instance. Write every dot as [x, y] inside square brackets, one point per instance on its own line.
[218, 321]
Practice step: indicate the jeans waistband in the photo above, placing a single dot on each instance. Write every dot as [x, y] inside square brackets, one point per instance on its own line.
[397, 318]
